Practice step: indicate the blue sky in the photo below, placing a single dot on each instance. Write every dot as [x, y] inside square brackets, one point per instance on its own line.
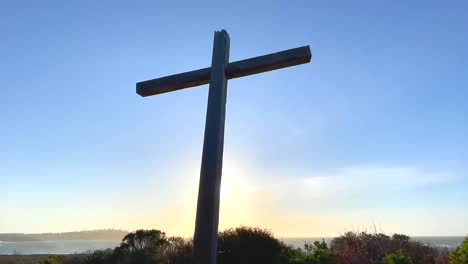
[371, 132]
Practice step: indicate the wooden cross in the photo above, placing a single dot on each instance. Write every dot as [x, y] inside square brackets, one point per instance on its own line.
[206, 223]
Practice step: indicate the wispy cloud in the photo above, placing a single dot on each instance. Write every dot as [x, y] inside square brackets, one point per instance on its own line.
[370, 179]
[357, 180]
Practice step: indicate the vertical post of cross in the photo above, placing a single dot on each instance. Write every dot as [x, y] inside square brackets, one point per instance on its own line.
[206, 224]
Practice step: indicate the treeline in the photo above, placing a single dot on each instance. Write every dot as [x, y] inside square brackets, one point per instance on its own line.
[101, 234]
[246, 245]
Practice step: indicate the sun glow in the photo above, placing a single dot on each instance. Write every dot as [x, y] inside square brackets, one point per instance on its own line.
[225, 191]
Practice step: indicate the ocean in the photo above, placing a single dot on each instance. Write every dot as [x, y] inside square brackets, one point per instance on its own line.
[80, 246]
[54, 246]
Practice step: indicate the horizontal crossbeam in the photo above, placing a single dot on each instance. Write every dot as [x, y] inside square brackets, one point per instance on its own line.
[236, 69]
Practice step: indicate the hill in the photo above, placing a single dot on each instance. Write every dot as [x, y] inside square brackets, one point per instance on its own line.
[102, 234]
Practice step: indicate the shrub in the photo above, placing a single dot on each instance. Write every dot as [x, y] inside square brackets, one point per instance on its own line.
[398, 257]
[248, 245]
[54, 260]
[98, 257]
[460, 255]
[316, 253]
[292, 255]
[366, 248]
[360, 248]
[178, 251]
[319, 253]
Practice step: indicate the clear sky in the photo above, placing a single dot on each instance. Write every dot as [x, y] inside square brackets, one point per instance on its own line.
[373, 132]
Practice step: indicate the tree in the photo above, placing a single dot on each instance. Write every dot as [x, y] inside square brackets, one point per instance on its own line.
[293, 255]
[142, 247]
[178, 251]
[144, 240]
[319, 253]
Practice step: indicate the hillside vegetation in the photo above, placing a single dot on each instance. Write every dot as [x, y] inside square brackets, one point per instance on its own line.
[249, 245]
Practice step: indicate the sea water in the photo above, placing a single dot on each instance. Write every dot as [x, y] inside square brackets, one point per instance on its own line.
[54, 246]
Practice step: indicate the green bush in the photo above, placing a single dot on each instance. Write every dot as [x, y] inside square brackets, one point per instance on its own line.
[319, 253]
[316, 253]
[292, 255]
[54, 260]
[460, 255]
[398, 257]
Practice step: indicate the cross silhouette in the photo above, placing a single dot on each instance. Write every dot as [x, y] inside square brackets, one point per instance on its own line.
[206, 223]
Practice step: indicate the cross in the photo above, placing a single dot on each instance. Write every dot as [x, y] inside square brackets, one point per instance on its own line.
[206, 224]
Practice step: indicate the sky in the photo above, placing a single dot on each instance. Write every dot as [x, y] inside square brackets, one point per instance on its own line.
[371, 135]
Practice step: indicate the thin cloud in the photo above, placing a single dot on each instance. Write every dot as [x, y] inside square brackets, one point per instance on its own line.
[356, 180]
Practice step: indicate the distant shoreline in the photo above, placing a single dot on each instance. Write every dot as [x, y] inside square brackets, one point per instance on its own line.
[97, 235]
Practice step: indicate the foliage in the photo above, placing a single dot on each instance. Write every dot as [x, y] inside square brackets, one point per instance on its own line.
[316, 253]
[248, 245]
[141, 246]
[319, 253]
[398, 257]
[54, 260]
[370, 248]
[292, 255]
[360, 248]
[144, 247]
[98, 257]
[178, 251]
[43, 259]
[143, 240]
[460, 255]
